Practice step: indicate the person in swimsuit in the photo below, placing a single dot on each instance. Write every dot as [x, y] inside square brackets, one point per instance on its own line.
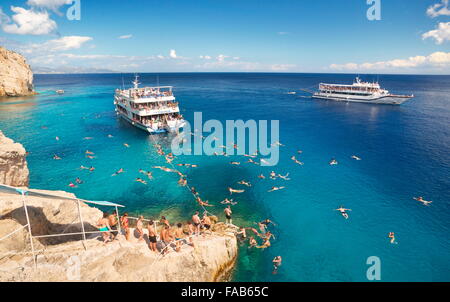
[196, 221]
[424, 202]
[265, 244]
[228, 213]
[206, 221]
[252, 242]
[276, 264]
[166, 237]
[112, 220]
[343, 212]
[103, 227]
[179, 235]
[164, 221]
[152, 236]
[241, 235]
[125, 225]
[191, 231]
[140, 227]
[392, 236]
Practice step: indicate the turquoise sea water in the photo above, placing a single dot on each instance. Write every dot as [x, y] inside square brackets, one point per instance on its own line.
[404, 151]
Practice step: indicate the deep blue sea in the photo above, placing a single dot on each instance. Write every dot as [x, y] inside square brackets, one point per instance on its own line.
[404, 149]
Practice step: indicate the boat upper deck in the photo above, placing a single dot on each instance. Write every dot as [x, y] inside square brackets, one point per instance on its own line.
[147, 94]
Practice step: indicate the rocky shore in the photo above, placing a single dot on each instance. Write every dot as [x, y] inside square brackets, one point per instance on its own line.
[212, 257]
[16, 77]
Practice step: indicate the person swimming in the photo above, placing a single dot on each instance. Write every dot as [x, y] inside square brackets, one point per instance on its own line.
[141, 180]
[424, 202]
[235, 163]
[261, 176]
[333, 162]
[78, 181]
[182, 181]
[275, 189]
[276, 264]
[118, 172]
[126, 145]
[273, 175]
[392, 237]
[293, 158]
[228, 201]
[252, 242]
[231, 190]
[89, 152]
[56, 157]
[285, 177]
[343, 212]
[72, 185]
[355, 157]
[245, 183]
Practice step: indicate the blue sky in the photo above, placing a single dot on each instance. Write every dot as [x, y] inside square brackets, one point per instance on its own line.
[234, 35]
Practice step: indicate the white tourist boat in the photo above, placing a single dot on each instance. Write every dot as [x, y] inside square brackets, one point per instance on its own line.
[359, 91]
[152, 109]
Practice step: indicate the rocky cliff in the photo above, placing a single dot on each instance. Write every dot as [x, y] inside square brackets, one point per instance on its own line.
[13, 165]
[69, 258]
[16, 77]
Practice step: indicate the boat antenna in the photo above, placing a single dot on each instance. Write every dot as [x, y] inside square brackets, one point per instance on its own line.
[123, 83]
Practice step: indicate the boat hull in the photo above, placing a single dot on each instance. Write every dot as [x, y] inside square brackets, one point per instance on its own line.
[150, 129]
[387, 100]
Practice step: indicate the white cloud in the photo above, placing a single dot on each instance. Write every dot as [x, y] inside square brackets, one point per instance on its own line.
[440, 35]
[283, 33]
[160, 57]
[282, 67]
[205, 57]
[439, 9]
[126, 37]
[173, 54]
[27, 22]
[221, 58]
[65, 43]
[434, 61]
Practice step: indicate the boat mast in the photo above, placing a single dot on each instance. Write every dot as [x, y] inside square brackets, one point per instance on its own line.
[136, 82]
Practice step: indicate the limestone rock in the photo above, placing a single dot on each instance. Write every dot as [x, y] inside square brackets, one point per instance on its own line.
[16, 77]
[13, 164]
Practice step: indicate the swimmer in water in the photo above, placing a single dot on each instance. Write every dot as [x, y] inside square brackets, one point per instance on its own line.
[277, 143]
[78, 181]
[118, 172]
[203, 203]
[276, 264]
[72, 185]
[126, 145]
[392, 237]
[275, 189]
[110, 136]
[251, 161]
[245, 183]
[56, 157]
[84, 168]
[141, 181]
[57, 138]
[228, 201]
[343, 211]
[231, 190]
[265, 244]
[273, 175]
[285, 177]
[252, 242]
[424, 202]
[87, 138]
[91, 169]
[89, 152]
[333, 162]
[235, 163]
[261, 176]
[182, 181]
[296, 161]
[90, 156]
[355, 157]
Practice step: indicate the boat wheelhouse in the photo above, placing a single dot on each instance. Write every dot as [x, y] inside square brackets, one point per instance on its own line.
[152, 109]
[359, 91]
